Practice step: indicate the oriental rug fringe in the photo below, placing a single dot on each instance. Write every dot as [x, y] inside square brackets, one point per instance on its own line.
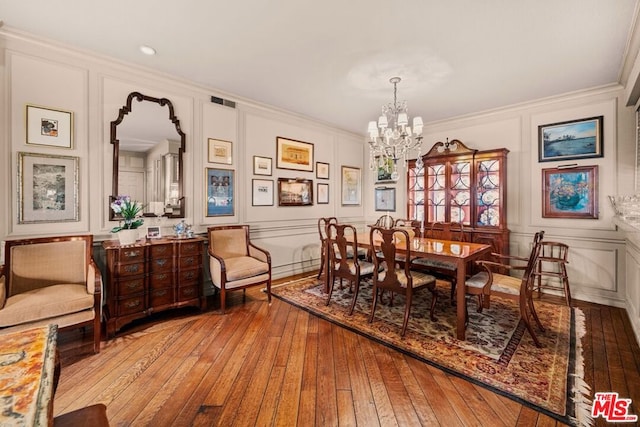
[498, 353]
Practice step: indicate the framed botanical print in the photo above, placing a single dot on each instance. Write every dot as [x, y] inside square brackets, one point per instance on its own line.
[323, 193]
[49, 126]
[322, 170]
[570, 193]
[262, 165]
[384, 169]
[262, 192]
[294, 155]
[351, 185]
[570, 140]
[220, 195]
[47, 188]
[295, 192]
[220, 151]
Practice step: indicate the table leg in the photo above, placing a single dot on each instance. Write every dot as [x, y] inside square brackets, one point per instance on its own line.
[460, 300]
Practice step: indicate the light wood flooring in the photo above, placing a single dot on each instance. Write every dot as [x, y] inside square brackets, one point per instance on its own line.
[278, 365]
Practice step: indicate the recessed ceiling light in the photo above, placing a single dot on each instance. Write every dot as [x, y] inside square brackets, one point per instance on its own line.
[147, 50]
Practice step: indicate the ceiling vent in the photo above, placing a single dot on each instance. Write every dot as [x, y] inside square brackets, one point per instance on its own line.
[224, 102]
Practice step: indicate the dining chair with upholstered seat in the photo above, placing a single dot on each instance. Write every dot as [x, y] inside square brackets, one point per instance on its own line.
[235, 262]
[410, 223]
[446, 270]
[495, 280]
[388, 275]
[323, 222]
[344, 262]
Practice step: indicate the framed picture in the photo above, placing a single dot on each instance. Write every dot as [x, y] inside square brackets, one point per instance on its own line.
[323, 194]
[294, 155]
[47, 188]
[570, 193]
[295, 192]
[48, 126]
[322, 170]
[262, 192]
[219, 195]
[575, 139]
[385, 168]
[385, 199]
[153, 232]
[351, 185]
[220, 151]
[262, 165]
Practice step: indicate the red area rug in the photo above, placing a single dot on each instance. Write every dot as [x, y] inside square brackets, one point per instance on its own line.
[498, 353]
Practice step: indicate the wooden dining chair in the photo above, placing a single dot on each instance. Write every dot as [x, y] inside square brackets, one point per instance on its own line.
[322, 231]
[446, 270]
[385, 221]
[388, 275]
[552, 263]
[344, 262]
[495, 280]
[410, 223]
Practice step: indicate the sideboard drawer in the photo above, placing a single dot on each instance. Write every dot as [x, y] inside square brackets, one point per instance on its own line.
[130, 287]
[161, 251]
[188, 276]
[161, 264]
[161, 280]
[130, 269]
[131, 254]
[131, 305]
[190, 248]
[188, 292]
[161, 297]
[190, 261]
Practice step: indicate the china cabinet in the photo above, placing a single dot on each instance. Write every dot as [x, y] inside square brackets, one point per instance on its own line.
[152, 276]
[459, 184]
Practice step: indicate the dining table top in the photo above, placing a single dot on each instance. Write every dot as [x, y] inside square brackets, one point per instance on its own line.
[425, 246]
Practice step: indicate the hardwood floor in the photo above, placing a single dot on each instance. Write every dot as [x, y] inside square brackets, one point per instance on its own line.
[279, 365]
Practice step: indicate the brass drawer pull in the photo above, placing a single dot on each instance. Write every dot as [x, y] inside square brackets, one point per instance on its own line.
[132, 254]
[189, 260]
[189, 275]
[161, 262]
[161, 293]
[188, 291]
[131, 268]
[133, 285]
[161, 276]
[132, 304]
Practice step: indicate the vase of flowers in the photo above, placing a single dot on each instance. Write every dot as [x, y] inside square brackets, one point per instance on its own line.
[130, 211]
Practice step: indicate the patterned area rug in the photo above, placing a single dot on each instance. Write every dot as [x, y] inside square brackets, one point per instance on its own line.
[498, 353]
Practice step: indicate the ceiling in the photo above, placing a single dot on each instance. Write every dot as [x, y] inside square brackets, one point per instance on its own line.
[331, 60]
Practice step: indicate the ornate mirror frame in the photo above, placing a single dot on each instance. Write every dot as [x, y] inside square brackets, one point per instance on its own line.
[177, 212]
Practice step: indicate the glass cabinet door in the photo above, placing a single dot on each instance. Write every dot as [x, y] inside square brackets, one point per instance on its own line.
[460, 194]
[436, 191]
[489, 193]
[415, 192]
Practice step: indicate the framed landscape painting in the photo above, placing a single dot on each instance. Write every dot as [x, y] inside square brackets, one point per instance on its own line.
[295, 192]
[570, 193]
[570, 140]
[47, 188]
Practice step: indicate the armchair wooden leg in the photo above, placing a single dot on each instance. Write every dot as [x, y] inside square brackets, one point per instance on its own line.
[434, 300]
[375, 302]
[222, 299]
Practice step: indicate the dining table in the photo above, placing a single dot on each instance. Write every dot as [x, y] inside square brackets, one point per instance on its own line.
[460, 253]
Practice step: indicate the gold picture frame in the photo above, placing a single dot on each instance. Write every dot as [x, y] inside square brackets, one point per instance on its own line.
[220, 151]
[294, 155]
[351, 186]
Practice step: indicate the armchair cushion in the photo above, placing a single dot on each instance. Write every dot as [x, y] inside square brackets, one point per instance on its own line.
[45, 303]
[244, 266]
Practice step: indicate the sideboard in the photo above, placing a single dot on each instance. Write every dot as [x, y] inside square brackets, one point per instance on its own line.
[151, 276]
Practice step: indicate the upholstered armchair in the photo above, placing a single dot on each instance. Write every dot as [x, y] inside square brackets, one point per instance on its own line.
[50, 280]
[235, 263]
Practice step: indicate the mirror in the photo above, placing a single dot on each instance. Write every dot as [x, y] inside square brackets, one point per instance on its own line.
[148, 145]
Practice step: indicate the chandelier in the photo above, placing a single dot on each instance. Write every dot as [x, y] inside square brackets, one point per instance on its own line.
[395, 139]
